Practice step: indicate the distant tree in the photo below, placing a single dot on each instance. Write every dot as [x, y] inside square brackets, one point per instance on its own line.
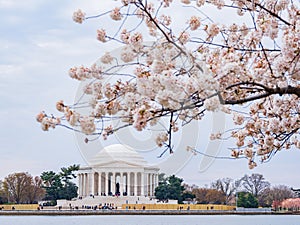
[36, 191]
[68, 191]
[188, 196]
[16, 187]
[209, 196]
[214, 196]
[227, 186]
[22, 188]
[162, 191]
[52, 184]
[176, 188]
[275, 194]
[68, 173]
[189, 187]
[50, 178]
[254, 184]
[59, 185]
[247, 200]
[170, 188]
[200, 194]
[3, 197]
[291, 204]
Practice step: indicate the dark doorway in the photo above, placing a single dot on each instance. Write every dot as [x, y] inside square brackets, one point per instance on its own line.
[117, 189]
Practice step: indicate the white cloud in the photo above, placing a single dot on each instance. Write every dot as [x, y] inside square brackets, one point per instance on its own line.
[6, 70]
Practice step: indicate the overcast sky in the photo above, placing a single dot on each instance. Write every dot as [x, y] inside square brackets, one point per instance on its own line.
[39, 43]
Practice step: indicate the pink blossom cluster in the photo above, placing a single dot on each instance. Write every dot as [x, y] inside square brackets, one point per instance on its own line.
[83, 73]
[107, 58]
[167, 3]
[79, 16]
[186, 1]
[101, 35]
[161, 139]
[166, 20]
[184, 37]
[116, 14]
[194, 22]
[268, 128]
[47, 122]
[87, 124]
[127, 2]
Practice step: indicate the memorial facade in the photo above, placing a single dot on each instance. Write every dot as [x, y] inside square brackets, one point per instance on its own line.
[117, 170]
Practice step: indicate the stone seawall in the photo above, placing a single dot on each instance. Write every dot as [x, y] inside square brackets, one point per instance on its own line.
[134, 212]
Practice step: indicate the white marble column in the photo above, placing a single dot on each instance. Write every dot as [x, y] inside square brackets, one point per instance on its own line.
[129, 184]
[135, 184]
[106, 182]
[91, 183]
[82, 184]
[85, 184]
[145, 183]
[153, 183]
[149, 184]
[99, 183]
[142, 184]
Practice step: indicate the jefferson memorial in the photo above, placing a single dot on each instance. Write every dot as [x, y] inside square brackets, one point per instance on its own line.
[117, 170]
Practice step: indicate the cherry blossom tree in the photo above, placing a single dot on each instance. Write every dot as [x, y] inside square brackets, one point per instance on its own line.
[291, 204]
[182, 65]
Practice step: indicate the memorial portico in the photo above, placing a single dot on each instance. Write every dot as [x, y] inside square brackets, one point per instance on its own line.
[118, 170]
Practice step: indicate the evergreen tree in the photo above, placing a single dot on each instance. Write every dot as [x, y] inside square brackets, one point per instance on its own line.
[59, 185]
[52, 185]
[247, 200]
[170, 188]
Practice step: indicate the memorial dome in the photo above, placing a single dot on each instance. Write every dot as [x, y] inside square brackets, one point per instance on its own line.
[118, 153]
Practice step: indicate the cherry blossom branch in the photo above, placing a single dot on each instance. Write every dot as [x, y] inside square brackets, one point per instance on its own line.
[170, 147]
[271, 13]
[162, 31]
[267, 59]
[192, 67]
[214, 156]
[234, 48]
[268, 92]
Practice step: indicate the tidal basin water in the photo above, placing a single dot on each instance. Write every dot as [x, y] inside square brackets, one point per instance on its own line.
[153, 220]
